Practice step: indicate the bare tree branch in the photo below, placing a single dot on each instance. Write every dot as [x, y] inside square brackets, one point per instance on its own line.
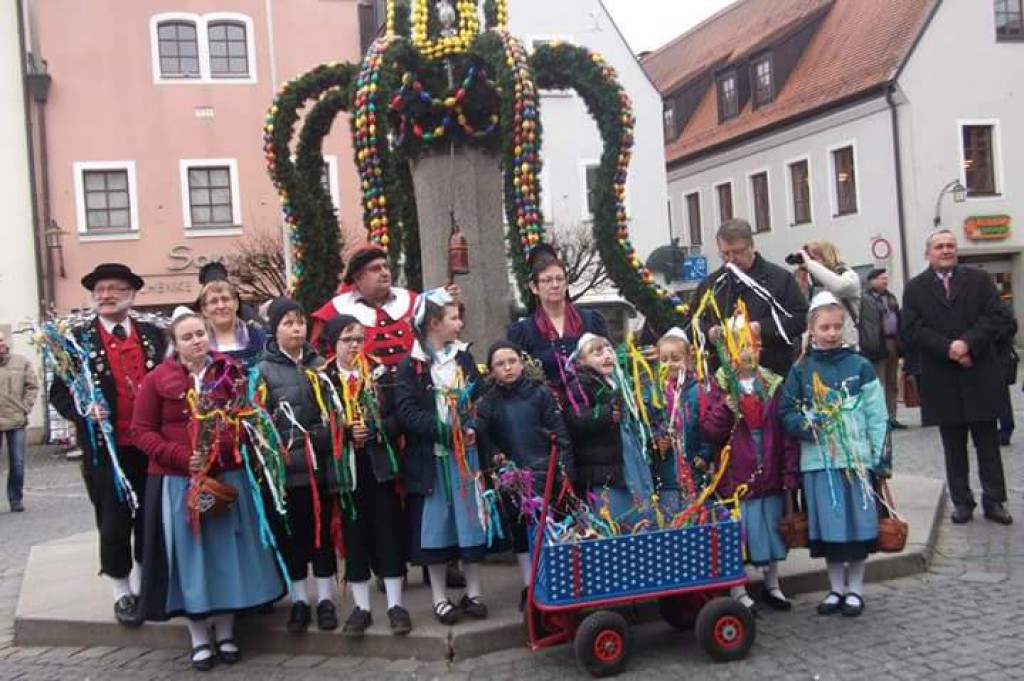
[258, 267]
[584, 269]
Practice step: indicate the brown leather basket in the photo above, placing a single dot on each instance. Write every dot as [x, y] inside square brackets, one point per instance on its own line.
[793, 525]
[892, 529]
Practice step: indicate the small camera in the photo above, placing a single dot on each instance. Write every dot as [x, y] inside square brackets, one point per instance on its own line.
[795, 259]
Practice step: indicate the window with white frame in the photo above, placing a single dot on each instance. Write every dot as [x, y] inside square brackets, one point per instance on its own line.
[329, 180]
[1009, 19]
[693, 219]
[724, 193]
[978, 156]
[202, 48]
[761, 201]
[800, 190]
[844, 173]
[105, 197]
[210, 194]
[178, 49]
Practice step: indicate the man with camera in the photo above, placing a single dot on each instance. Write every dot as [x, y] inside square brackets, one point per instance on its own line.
[773, 298]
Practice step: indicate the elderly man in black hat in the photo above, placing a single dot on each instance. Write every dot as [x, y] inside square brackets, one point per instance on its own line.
[122, 350]
[889, 310]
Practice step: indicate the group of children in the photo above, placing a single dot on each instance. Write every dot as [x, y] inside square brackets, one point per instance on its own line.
[404, 462]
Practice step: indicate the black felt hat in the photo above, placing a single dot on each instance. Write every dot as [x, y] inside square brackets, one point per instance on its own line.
[875, 273]
[112, 270]
[360, 259]
[212, 271]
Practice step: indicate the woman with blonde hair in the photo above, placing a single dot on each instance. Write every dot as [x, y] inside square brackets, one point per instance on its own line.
[822, 269]
[240, 340]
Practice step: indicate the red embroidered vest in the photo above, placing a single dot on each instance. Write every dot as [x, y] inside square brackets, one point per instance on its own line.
[128, 367]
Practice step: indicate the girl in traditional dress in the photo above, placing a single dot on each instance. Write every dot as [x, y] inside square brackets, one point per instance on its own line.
[437, 386]
[607, 438]
[368, 469]
[681, 455]
[763, 463]
[211, 566]
[834, 404]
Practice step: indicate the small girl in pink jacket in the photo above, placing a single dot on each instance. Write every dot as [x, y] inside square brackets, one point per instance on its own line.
[743, 412]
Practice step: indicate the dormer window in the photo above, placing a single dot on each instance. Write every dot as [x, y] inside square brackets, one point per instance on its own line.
[764, 82]
[670, 121]
[728, 96]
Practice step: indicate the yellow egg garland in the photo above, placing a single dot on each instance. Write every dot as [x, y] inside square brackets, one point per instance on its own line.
[380, 153]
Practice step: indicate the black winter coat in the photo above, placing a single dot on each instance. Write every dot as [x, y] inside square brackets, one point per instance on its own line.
[154, 348]
[776, 353]
[596, 438]
[974, 313]
[527, 336]
[289, 382]
[417, 417]
[387, 429]
[518, 421]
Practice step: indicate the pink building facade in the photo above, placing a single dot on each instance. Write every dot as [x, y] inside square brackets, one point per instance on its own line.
[148, 148]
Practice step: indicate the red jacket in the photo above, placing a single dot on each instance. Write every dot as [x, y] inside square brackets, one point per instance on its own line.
[161, 421]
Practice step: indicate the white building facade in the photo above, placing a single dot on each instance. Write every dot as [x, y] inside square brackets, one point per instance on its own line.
[866, 173]
[572, 143]
[19, 298]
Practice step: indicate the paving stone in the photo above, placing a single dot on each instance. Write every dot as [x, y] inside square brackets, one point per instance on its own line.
[303, 661]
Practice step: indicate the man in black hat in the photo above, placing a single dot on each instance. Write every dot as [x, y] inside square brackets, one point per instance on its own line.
[385, 310]
[122, 350]
[887, 367]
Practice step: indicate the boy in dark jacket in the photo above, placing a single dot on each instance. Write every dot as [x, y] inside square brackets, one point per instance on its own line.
[289, 373]
[368, 467]
[519, 420]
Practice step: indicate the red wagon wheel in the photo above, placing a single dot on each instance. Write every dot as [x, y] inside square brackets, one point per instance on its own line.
[725, 628]
[604, 643]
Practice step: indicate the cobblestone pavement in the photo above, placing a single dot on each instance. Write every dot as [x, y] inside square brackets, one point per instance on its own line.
[959, 620]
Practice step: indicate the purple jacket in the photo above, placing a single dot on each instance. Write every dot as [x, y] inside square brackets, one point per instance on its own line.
[781, 453]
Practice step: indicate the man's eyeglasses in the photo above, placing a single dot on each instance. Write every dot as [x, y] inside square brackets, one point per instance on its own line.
[104, 290]
[556, 279]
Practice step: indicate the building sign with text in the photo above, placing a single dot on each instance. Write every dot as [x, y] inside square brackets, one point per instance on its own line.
[987, 227]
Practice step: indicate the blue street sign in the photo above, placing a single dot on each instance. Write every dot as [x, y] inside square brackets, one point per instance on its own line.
[695, 268]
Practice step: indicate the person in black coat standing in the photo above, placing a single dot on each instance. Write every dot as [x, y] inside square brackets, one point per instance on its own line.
[782, 322]
[122, 350]
[953, 316]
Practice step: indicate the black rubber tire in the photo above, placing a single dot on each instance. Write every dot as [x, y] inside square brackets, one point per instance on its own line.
[725, 629]
[677, 611]
[603, 644]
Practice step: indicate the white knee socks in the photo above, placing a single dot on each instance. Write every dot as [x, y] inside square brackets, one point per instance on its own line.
[855, 578]
[122, 587]
[324, 589]
[524, 562]
[437, 574]
[393, 587]
[837, 576]
[300, 594]
[199, 633]
[361, 594]
[472, 572]
[224, 629]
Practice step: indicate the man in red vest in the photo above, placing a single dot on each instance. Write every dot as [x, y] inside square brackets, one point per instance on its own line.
[122, 350]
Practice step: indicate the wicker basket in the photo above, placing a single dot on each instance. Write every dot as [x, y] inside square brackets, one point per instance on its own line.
[892, 529]
[793, 525]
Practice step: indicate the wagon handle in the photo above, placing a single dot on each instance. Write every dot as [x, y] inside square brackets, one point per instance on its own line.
[538, 539]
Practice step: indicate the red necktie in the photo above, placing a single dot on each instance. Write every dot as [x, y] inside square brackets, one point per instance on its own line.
[946, 283]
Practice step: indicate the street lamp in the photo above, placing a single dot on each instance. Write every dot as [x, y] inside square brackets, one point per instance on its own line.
[959, 193]
[54, 234]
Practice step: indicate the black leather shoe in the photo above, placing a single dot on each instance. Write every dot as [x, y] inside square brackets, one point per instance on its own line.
[326, 616]
[961, 515]
[227, 651]
[998, 514]
[831, 604]
[896, 425]
[202, 657]
[357, 623]
[126, 611]
[398, 618]
[473, 606]
[299, 619]
[774, 602]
